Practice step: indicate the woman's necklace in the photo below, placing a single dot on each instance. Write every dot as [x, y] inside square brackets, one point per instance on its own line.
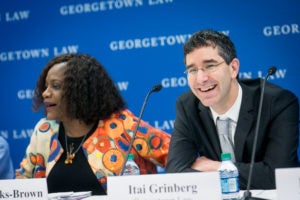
[71, 153]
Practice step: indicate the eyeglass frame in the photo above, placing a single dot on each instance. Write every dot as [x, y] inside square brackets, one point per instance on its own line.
[206, 69]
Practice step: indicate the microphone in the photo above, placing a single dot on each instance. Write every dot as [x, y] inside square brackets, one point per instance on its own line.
[155, 88]
[247, 193]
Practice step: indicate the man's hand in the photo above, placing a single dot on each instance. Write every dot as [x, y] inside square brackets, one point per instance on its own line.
[205, 165]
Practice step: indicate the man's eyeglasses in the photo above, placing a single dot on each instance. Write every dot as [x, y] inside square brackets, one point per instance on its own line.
[206, 69]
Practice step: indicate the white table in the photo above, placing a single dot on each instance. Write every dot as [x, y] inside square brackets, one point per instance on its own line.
[266, 194]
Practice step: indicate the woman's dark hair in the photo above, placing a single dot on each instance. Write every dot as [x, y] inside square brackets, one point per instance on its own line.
[88, 91]
[214, 39]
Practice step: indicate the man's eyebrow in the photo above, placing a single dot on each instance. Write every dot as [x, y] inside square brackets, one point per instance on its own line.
[204, 62]
[209, 61]
[189, 66]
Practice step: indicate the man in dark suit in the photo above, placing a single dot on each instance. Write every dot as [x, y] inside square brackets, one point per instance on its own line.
[212, 68]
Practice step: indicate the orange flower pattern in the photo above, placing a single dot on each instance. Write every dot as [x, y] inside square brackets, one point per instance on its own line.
[105, 148]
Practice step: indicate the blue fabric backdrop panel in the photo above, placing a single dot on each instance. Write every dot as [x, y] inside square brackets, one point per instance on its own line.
[140, 44]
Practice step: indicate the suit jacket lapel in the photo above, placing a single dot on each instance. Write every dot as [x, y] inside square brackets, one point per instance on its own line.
[245, 121]
[210, 130]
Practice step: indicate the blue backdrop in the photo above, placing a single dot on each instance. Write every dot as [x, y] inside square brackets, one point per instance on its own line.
[140, 43]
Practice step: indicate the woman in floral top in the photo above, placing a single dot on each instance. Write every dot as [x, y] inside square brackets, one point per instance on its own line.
[87, 130]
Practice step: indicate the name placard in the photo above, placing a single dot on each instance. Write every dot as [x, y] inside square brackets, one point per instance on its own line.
[179, 186]
[33, 189]
[288, 183]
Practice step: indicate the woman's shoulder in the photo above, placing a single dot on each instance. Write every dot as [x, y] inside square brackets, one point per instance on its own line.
[44, 125]
[122, 114]
[123, 118]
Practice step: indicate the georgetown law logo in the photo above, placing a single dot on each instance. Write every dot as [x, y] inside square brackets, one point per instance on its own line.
[16, 133]
[148, 42]
[166, 124]
[284, 29]
[174, 82]
[105, 6]
[279, 74]
[152, 41]
[34, 53]
[15, 16]
[27, 94]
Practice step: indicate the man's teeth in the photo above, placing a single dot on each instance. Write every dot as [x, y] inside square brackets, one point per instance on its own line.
[206, 89]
